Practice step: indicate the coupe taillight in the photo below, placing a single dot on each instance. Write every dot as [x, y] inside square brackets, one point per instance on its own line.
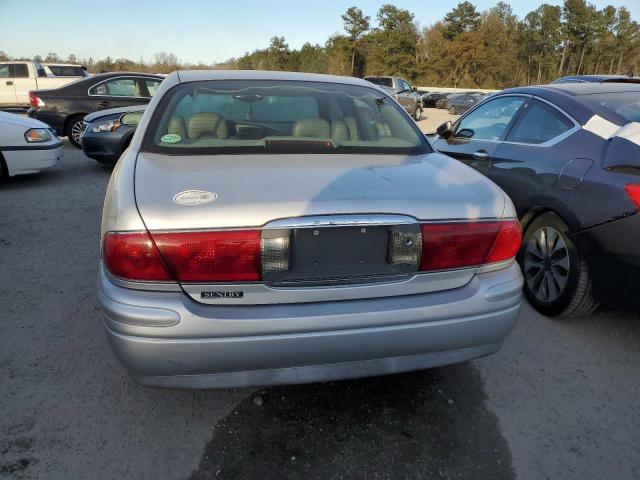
[633, 192]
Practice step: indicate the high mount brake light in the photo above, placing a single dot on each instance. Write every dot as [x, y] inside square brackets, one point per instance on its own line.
[242, 255]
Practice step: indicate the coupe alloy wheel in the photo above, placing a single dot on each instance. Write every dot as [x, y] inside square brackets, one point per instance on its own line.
[546, 264]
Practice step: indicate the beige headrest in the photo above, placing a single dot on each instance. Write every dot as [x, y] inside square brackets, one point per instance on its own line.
[311, 127]
[207, 123]
[340, 131]
[176, 126]
[353, 127]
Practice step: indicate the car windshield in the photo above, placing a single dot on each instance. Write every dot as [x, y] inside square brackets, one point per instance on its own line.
[626, 104]
[240, 116]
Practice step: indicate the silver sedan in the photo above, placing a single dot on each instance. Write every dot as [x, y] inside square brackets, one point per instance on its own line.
[269, 228]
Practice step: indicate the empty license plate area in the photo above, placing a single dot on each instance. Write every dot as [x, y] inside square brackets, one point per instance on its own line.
[342, 254]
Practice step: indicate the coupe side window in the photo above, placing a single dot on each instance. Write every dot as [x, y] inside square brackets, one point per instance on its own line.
[118, 87]
[540, 123]
[4, 71]
[489, 121]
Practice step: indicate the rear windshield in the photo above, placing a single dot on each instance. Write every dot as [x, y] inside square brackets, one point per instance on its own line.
[65, 71]
[242, 116]
[382, 81]
[625, 104]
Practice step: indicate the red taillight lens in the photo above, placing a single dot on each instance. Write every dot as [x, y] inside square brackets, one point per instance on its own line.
[34, 100]
[633, 192]
[219, 256]
[508, 242]
[468, 244]
[133, 256]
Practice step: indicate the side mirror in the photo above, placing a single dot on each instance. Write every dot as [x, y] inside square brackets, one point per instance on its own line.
[445, 130]
[131, 119]
[414, 89]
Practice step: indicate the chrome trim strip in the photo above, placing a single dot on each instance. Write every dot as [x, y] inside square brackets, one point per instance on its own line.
[340, 221]
[153, 286]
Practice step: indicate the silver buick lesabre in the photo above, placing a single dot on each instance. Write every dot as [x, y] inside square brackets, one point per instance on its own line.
[268, 228]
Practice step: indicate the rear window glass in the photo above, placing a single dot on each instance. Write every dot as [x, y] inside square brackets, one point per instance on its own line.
[64, 71]
[540, 123]
[382, 81]
[20, 70]
[626, 104]
[280, 117]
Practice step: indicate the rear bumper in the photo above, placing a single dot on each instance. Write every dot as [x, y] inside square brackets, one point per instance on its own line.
[612, 250]
[204, 346]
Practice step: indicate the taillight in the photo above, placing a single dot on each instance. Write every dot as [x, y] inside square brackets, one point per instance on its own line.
[133, 256]
[220, 256]
[507, 243]
[468, 244]
[633, 192]
[35, 100]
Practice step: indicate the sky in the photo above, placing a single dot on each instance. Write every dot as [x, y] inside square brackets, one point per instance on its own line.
[198, 30]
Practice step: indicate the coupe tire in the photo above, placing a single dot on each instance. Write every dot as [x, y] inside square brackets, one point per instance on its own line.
[75, 127]
[453, 111]
[557, 280]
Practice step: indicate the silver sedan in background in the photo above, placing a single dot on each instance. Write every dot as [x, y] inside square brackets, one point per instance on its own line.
[269, 228]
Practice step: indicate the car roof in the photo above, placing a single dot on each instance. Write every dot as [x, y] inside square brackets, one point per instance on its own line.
[581, 88]
[594, 78]
[573, 98]
[206, 75]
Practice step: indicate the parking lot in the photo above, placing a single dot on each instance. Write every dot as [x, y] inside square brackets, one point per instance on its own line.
[560, 400]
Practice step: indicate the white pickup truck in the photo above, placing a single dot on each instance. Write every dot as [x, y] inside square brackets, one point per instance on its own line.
[18, 78]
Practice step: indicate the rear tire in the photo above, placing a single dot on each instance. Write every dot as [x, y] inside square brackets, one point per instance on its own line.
[557, 277]
[453, 110]
[75, 126]
[417, 113]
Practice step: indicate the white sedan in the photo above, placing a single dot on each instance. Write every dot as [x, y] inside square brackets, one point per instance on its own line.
[26, 145]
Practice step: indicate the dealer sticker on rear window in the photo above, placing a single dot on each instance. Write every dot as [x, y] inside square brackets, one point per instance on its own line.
[170, 138]
[194, 197]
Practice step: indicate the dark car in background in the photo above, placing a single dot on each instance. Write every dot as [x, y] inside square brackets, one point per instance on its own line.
[442, 102]
[568, 155]
[108, 133]
[64, 108]
[458, 104]
[429, 99]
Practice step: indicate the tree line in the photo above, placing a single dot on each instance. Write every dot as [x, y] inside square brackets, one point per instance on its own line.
[467, 48]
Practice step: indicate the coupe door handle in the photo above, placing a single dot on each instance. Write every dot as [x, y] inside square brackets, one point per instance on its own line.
[481, 155]
[9, 82]
[103, 103]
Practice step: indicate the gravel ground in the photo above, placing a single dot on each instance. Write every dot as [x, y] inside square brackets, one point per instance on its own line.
[560, 401]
